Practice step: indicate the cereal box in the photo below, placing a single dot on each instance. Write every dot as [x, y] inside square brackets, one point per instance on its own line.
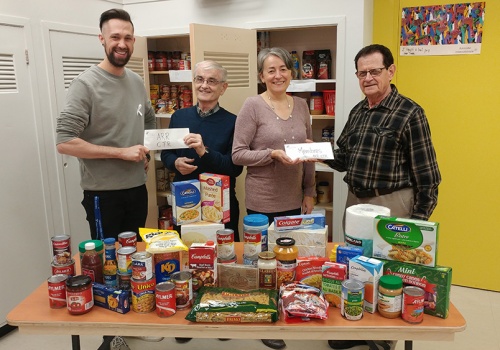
[435, 281]
[368, 271]
[294, 222]
[215, 197]
[200, 232]
[331, 283]
[405, 240]
[186, 200]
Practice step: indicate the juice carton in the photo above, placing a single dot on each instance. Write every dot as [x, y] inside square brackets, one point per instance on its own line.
[215, 197]
[332, 276]
[368, 271]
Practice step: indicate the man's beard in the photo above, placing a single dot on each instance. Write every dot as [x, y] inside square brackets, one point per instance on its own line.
[119, 63]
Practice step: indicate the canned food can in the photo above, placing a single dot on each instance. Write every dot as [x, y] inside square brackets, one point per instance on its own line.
[143, 295]
[252, 243]
[413, 304]
[127, 239]
[183, 289]
[57, 291]
[351, 303]
[165, 299]
[225, 244]
[61, 249]
[124, 259]
[142, 266]
[231, 260]
[65, 269]
[250, 260]
[124, 281]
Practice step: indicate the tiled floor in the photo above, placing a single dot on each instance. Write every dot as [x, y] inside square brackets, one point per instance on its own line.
[481, 310]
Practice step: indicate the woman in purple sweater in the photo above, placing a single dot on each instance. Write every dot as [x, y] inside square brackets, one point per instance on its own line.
[275, 184]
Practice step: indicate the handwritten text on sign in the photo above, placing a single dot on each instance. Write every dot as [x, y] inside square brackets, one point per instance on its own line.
[315, 150]
[156, 139]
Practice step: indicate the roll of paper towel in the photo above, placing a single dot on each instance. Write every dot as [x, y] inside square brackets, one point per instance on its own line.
[359, 228]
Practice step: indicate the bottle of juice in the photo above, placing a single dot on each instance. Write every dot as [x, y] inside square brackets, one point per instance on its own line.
[92, 263]
[296, 64]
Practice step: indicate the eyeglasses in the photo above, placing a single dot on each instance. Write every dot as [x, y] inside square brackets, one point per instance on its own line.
[210, 81]
[375, 72]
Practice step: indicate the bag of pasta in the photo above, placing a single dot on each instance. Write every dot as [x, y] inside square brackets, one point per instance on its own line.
[300, 302]
[228, 305]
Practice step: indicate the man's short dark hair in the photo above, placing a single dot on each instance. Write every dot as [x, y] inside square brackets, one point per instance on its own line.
[114, 14]
[368, 50]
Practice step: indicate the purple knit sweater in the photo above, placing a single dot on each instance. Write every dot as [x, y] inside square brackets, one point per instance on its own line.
[271, 186]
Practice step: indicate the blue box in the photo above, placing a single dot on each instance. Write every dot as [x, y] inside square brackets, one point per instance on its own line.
[346, 253]
[186, 201]
[111, 299]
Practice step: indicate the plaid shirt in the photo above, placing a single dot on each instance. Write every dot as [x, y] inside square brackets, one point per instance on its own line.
[389, 146]
[209, 112]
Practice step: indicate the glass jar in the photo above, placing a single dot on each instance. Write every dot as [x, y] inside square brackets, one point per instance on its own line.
[267, 270]
[323, 190]
[390, 291]
[286, 259]
[79, 294]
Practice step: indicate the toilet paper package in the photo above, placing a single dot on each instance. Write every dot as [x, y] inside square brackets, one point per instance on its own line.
[359, 221]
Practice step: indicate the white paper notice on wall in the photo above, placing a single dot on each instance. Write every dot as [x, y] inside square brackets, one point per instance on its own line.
[315, 150]
[156, 139]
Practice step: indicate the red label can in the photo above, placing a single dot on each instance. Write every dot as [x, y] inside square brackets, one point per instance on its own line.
[65, 269]
[165, 299]
[57, 291]
[143, 295]
[127, 239]
[413, 304]
[183, 289]
[61, 249]
[124, 259]
[142, 266]
[225, 244]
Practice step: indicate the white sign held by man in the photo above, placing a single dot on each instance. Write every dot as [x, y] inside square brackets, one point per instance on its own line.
[156, 139]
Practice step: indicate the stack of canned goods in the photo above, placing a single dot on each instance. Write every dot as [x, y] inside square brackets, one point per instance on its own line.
[62, 262]
[143, 282]
[127, 246]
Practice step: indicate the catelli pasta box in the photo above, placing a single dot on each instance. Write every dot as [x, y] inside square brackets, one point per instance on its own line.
[435, 281]
[215, 197]
[186, 200]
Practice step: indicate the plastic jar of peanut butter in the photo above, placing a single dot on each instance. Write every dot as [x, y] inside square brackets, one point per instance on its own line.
[390, 290]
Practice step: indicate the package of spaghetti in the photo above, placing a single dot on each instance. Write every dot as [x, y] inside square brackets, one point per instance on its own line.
[228, 305]
[301, 302]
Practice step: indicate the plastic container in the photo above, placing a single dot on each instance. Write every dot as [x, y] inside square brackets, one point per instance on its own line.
[258, 222]
[390, 290]
[99, 247]
[323, 191]
[329, 100]
[92, 263]
[316, 105]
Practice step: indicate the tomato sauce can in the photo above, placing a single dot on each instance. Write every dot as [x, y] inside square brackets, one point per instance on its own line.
[79, 294]
[413, 304]
[127, 239]
[57, 291]
[165, 299]
[143, 295]
[183, 289]
[61, 249]
[352, 299]
[124, 259]
[65, 269]
[142, 266]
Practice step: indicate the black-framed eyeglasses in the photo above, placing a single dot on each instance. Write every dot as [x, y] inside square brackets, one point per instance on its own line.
[210, 81]
[375, 72]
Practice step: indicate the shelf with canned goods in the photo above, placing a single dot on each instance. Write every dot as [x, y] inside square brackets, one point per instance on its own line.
[308, 85]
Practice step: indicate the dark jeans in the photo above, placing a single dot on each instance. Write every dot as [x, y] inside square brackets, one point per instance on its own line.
[271, 216]
[121, 210]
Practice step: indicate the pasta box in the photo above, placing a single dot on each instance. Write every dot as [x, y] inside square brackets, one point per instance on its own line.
[405, 240]
[308, 270]
[435, 281]
[186, 200]
[368, 271]
[215, 197]
[111, 299]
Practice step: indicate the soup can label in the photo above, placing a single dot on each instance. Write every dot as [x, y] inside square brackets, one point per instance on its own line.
[66, 269]
[57, 291]
[351, 302]
[127, 239]
[413, 304]
[143, 295]
[252, 243]
[225, 244]
[183, 289]
[61, 249]
[124, 259]
[165, 296]
[142, 266]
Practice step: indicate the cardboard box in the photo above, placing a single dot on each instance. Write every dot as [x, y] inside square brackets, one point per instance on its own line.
[332, 276]
[368, 271]
[346, 253]
[405, 240]
[304, 237]
[215, 197]
[297, 222]
[111, 299]
[186, 199]
[203, 265]
[200, 232]
[305, 250]
[435, 281]
[309, 270]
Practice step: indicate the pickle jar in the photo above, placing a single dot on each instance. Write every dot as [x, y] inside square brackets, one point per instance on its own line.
[286, 259]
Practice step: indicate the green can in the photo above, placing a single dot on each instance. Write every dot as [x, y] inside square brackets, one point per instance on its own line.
[351, 303]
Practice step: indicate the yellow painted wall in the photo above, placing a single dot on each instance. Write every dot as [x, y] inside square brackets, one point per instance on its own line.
[461, 96]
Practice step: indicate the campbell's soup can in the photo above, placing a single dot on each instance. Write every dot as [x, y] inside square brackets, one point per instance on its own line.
[65, 269]
[124, 259]
[165, 296]
[225, 244]
[127, 239]
[183, 289]
[61, 249]
[143, 295]
[57, 291]
[413, 304]
[142, 266]
[252, 243]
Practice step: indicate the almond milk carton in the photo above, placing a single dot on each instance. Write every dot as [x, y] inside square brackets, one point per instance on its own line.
[368, 271]
[203, 264]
